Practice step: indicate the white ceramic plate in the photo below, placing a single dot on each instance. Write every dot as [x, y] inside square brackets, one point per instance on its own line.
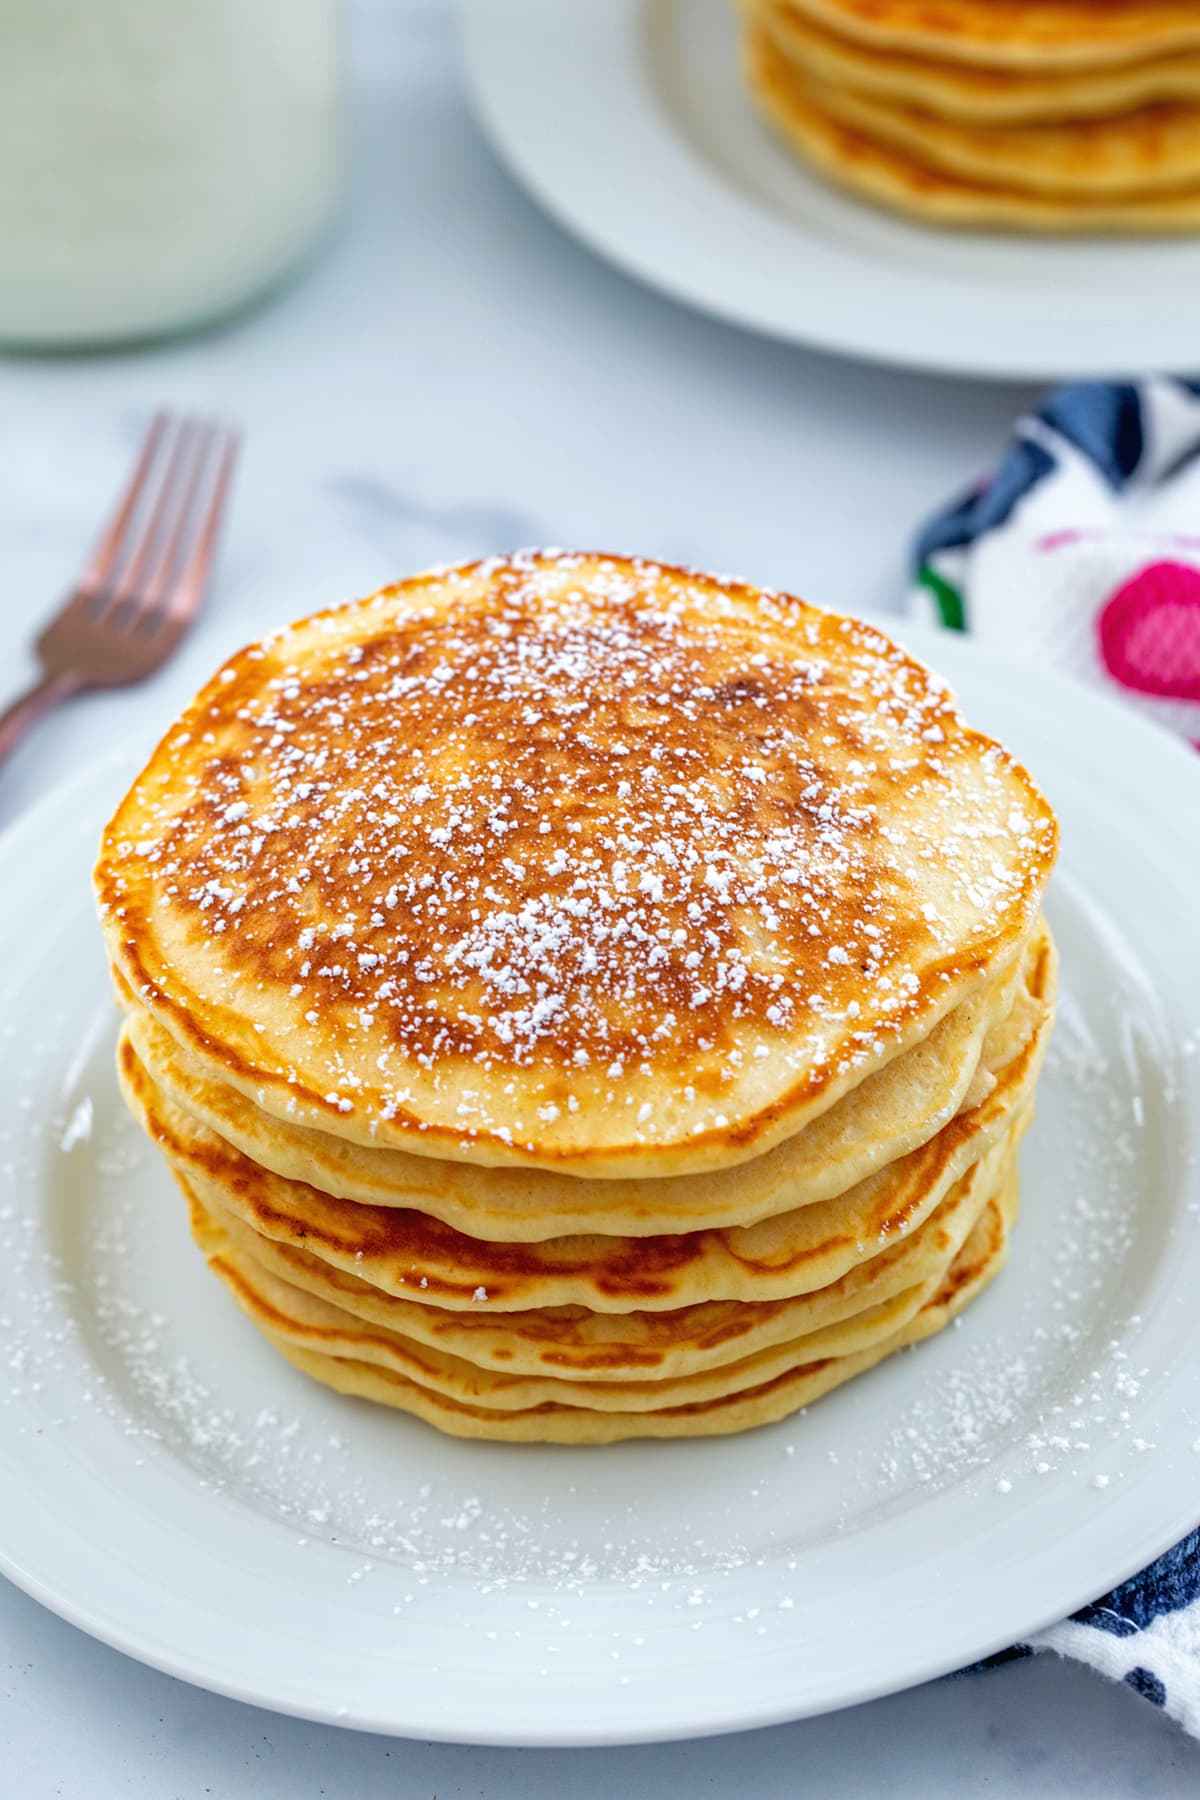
[627, 120]
[169, 1484]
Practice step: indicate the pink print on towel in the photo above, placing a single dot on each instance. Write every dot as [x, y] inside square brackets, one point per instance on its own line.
[1150, 632]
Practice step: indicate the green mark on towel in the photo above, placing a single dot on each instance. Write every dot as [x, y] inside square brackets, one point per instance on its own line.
[947, 599]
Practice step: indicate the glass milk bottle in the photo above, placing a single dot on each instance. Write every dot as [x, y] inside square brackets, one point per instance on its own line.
[162, 162]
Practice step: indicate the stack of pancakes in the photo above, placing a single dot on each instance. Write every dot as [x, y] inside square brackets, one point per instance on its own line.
[1036, 115]
[584, 999]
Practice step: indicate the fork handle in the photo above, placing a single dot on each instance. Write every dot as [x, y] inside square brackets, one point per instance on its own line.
[25, 711]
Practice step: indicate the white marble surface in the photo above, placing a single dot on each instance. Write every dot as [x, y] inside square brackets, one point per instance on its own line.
[453, 377]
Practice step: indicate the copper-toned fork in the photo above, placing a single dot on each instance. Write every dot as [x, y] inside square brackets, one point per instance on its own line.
[146, 578]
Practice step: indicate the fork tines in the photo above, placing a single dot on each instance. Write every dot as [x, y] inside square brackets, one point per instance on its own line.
[155, 554]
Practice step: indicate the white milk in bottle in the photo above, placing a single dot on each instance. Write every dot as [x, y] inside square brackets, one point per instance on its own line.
[162, 162]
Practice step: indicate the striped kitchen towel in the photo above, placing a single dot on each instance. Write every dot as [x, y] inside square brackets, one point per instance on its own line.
[1081, 551]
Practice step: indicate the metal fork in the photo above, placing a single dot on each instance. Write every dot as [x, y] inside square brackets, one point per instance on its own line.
[146, 578]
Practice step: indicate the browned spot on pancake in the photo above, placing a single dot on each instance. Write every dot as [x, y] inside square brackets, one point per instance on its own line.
[601, 1356]
[591, 811]
[1040, 977]
[971, 1262]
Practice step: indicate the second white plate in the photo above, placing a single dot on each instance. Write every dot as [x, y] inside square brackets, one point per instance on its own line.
[628, 121]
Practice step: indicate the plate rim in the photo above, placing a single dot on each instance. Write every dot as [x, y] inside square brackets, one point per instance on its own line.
[490, 33]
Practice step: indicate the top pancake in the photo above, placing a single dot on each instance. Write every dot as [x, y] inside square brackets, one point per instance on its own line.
[568, 861]
[1019, 34]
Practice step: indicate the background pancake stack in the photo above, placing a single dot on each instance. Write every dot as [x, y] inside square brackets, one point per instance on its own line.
[1033, 115]
[581, 999]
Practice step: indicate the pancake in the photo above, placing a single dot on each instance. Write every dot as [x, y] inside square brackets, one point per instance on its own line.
[890, 1113]
[1017, 34]
[601, 1347]
[973, 93]
[304, 1321]
[904, 183]
[569, 862]
[405, 1253]
[978, 1262]
[1143, 151]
